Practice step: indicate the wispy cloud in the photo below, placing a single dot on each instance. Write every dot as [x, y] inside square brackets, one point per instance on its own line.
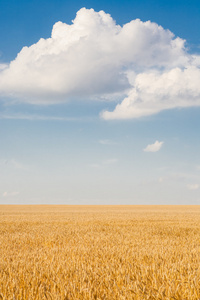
[30, 117]
[17, 165]
[193, 187]
[10, 194]
[106, 142]
[96, 166]
[161, 179]
[153, 147]
[110, 161]
[182, 178]
[13, 163]
[104, 163]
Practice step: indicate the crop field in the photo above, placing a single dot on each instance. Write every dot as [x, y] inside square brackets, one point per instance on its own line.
[99, 252]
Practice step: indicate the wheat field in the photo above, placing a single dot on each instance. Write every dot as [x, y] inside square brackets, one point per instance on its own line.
[99, 252]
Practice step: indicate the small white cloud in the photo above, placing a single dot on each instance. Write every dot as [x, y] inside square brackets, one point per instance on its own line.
[161, 179]
[193, 186]
[33, 117]
[13, 163]
[14, 193]
[10, 194]
[106, 142]
[154, 147]
[96, 166]
[104, 163]
[110, 161]
[17, 165]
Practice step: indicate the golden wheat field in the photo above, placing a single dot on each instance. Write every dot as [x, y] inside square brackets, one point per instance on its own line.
[99, 252]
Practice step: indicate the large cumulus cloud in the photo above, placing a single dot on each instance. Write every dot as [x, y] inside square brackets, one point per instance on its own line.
[94, 57]
[156, 91]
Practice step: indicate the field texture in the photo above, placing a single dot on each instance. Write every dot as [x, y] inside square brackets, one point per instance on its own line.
[99, 252]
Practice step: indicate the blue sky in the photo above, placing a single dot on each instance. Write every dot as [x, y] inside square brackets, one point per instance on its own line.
[106, 109]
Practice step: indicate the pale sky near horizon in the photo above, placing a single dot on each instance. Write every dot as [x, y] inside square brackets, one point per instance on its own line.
[99, 102]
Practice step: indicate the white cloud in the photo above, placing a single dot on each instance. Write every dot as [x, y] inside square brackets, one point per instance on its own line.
[104, 163]
[140, 62]
[10, 194]
[91, 57]
[110, 161]
[154, 147]
[96, 166]
[193, 186]
[37, 117]
[106, 142]
[156, 91]
[17, 165]
[181, 178]
[3, 66]
[161, 179]
[13, 163]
